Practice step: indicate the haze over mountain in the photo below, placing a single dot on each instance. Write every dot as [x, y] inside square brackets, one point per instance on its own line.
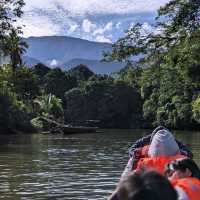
[67, 52]
[95, 65]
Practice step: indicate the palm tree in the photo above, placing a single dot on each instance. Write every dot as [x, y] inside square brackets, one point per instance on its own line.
[50, 106]
[15, 48]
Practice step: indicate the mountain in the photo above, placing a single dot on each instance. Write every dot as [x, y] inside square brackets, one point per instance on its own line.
[95, 65]
[30, 61]
[68, 52]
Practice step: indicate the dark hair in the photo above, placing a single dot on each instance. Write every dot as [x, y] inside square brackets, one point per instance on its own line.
[183, 164]
[146, 186]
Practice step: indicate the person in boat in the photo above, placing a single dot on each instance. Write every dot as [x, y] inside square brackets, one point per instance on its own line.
[184, 175]
[144, 141]
[140, 149]
[163, 149]
[145, 186]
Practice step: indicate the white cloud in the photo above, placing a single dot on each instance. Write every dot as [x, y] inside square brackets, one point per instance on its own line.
[53, 63]
[72, 28]
[38, 4]
[102, 30]
[108, 26]
[102, 38]
[84, 7]
[38, 26]
[78, 17]
[96, 32]
[88, 26]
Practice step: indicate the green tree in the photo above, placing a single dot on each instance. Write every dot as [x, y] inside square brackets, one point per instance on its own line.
[196, 109]
[50, 106]
[10, 12]
[182, 16]
[80, 73]
[49, 113]
[14, 116]
[129, 75]
[26, 84]
[58, 82]
[169, 58]
[15, 47]
[40, 70]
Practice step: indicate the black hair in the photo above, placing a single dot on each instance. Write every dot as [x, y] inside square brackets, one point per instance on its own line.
[183, 164]
[146, 186]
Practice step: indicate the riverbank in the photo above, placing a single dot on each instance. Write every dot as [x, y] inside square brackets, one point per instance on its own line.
[77, 97]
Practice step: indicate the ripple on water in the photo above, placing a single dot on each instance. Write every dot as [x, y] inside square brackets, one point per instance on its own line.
[81, 167]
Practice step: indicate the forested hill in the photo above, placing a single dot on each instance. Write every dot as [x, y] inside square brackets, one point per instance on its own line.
[63, 49]
[67, 52]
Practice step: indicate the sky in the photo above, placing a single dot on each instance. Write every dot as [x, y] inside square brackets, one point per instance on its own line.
[94, 20]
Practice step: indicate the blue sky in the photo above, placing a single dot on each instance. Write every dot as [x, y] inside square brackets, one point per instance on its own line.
[95, 20]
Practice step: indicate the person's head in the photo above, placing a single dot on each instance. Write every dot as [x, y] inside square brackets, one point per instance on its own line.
[163, 144]
[182, 168]
[158, 128]
[146, 186]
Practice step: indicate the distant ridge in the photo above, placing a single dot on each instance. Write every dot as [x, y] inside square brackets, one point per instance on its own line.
[67, 52]
[95, 65]
[30, 61]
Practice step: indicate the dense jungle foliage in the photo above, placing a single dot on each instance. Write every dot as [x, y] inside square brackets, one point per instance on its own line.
[167, 73]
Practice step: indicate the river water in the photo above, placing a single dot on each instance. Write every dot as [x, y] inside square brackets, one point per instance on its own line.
[69, 167]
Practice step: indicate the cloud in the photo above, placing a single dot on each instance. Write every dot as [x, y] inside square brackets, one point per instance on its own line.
[38, 4]
[72, 28]
[102, 20]
[91, 7]
[38, 26]
[88, 26]
[53, 63]
[102, 38]
[103, 29]
[96, 32]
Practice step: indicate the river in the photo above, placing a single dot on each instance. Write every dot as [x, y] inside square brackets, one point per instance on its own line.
[69, 167]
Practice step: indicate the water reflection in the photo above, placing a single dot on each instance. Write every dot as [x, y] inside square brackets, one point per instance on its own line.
[68, 167]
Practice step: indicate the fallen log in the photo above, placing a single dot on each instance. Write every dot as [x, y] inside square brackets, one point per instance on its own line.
[57, 127]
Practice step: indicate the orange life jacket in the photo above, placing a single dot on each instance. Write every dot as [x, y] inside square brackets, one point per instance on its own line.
[144, 151]
[156, 163]
[190, 185]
